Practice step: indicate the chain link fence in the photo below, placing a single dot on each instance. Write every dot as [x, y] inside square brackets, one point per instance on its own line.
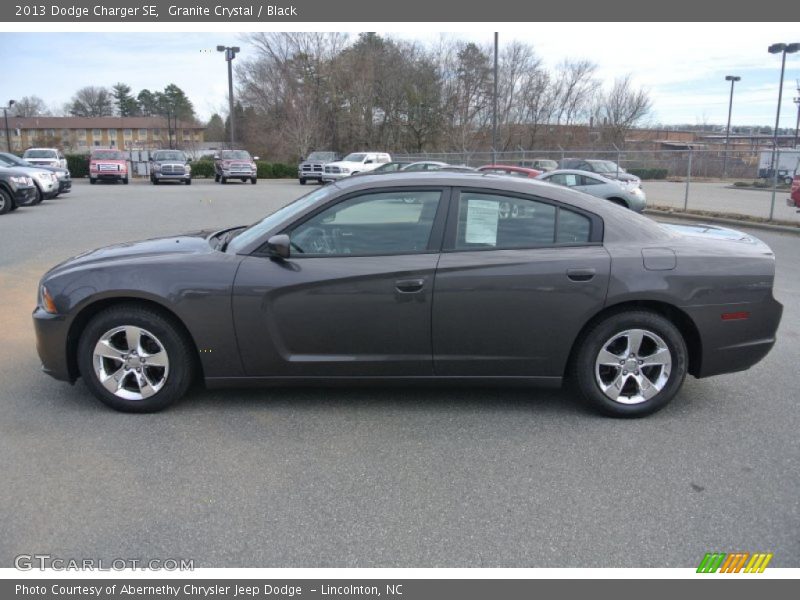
[736, 183]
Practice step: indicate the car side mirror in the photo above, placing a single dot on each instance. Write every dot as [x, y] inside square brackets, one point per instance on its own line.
[278, 246]
[256, 157]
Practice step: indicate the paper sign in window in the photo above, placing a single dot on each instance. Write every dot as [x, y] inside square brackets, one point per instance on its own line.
[482, 217]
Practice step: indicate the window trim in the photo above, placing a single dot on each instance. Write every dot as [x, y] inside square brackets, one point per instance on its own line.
[435, 239]
[596, 225]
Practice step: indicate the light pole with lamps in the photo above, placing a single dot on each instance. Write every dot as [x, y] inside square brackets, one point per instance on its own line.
[733, 79]
[5, 116]
[230, 54]
[797, 124]
[783, 50]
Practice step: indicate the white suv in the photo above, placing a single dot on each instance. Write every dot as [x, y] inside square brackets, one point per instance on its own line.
[45, 157]
[357, 162]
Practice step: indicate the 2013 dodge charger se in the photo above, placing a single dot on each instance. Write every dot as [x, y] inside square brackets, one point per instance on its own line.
[416, 278]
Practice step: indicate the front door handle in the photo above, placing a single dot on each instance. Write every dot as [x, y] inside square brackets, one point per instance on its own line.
[581, 274]
[409, 286]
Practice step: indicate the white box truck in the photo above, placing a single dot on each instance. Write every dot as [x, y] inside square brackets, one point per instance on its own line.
[788, 160]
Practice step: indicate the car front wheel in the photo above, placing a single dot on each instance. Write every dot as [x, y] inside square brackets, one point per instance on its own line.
[6, 202]
[631, 364]
[134, 359]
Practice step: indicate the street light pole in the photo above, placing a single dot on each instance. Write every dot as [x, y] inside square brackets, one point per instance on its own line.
[733, 79]
[230, 54]
[494, 100]
[782, 49]
[5, 116]
[797, 125]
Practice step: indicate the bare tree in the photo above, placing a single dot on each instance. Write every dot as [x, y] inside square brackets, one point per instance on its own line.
[30, 106]
[92, 101]
[622, 108]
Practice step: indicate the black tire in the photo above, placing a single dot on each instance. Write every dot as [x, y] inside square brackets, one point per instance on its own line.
[125, 180]
[6, 202]
[244, 179]
[302, 181]
[188, 182]
[179, 351]
[154, 181]
[619, 202]
[253, 180]
[585, 377]
[92, 180]
[216, 177]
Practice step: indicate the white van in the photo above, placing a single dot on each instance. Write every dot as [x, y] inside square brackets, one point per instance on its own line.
[356, 162]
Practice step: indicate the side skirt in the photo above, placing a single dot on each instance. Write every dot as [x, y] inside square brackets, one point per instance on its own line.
[254, 382]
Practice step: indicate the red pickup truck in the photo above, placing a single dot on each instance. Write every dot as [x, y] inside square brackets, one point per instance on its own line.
[108, 164]
[794, 198]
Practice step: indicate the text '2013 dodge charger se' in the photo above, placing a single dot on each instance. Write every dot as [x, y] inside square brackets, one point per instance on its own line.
[416, 278]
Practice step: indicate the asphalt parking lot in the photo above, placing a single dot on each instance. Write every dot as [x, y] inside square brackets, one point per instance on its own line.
[382, 477]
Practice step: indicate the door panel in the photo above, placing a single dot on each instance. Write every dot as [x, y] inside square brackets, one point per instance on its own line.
[514, 312]
[335, 316]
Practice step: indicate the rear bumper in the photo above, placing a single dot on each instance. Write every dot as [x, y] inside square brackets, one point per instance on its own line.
[51, 344]
[735, 345]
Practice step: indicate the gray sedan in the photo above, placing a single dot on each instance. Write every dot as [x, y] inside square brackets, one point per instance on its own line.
[627, 194]
[416, 278]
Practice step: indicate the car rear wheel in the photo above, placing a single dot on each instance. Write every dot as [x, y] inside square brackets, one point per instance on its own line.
[631, 364]
[6, 202]
[134, 359]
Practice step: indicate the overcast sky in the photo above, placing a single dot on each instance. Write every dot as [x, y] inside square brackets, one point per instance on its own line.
[683, 66]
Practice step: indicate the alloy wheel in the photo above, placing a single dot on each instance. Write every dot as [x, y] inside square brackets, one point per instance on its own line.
[130, 362]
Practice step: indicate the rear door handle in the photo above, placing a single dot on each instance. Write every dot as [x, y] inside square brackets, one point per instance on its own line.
[409, 286]
[581, 274]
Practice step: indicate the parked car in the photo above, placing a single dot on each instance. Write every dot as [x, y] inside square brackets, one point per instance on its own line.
[45, 157]
[794, 197]
[16, 189]
[356, 162]
[510, 170]
[368, 281]
[235, 164]
[313, 166]
[458, 169]
[606, 168]
[108, 164]
[63, 175]
[389, 167]
[540, 164]
[423, 165]
[626, 194]
[44, 178]
[170, 165]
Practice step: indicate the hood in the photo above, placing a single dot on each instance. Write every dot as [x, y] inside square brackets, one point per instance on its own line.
[343, 163]
[189, 243]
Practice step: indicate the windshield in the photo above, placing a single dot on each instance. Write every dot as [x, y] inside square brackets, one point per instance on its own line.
[235, 155]
[108, 155]
[355, 157]
[325, 156]
[260, 228]
[40, 154]
[170, 155]
[605, 166]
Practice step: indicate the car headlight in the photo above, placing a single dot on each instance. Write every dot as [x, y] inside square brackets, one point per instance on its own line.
[156, 168]
[188, 168]
[345, 170]
[21, 181]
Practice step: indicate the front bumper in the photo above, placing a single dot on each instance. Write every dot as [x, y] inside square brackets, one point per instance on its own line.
[24, 195]
[234, 174]
[64, 186]
[109, 175]
[51, 344]
[334, 176]
[172, 177]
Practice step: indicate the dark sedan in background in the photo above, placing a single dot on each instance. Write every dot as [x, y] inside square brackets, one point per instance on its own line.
[434, 277]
